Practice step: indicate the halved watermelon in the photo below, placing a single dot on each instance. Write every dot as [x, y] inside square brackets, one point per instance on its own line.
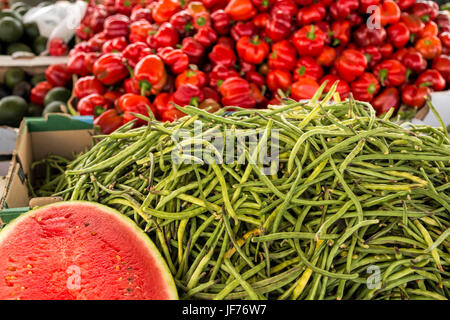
[80, 250]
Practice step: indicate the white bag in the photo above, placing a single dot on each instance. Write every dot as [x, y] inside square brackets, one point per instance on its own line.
[59, 20]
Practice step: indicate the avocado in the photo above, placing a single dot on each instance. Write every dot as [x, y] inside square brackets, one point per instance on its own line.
[19, 4]
[17, 47]
[22, 11]
[22, 89]
[12, 110]
[11, 14]
[40, 45]
[11, 29]
[34, 110]
[31, 30]
[53, 107]
[13, 76]
[4, 91]
[37, 78]
[57, 94]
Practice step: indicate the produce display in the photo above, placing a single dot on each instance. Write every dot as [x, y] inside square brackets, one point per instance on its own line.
[249, 53]
[69, 235]
[233, 150]
[15, 36]
[352, 192]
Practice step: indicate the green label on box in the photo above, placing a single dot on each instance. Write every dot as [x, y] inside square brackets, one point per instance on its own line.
[59, 122]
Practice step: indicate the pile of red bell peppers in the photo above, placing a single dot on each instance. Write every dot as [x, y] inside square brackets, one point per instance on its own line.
[141, 55]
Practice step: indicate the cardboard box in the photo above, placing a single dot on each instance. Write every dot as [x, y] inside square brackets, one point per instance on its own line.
[57, 134]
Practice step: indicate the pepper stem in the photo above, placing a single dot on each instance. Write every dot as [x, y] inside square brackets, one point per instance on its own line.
[311, 35]
[145, 87]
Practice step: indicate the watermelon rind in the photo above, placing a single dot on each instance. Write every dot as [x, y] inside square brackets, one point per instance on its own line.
[127, 222]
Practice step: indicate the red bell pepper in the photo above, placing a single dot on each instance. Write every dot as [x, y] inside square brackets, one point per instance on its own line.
[166, 36]
[442, 64]
[109, 121]
[279, 80]
[256, 78]
[373, 55]
[311, 14]
[116, 26]
[39, 92]
[413, 23]
[398, 34]
[309, 41]
[57, 47]
[86, 86]
[365, 87]
[124, 6]
[110, 69]
[341, 9]
[134, 103]
[175, 58]
[221, 21]
[206, 36]
[279, 26]
[210, 93]
[387, 99]
[426, 10]
[263, 5]
[135, 52]
[429, 47]
[235, 91]
[193, 49]
[390, 73]
[405, 4]
[163, 10]
[355, 19]
[386, 50]
[431, 78]
[219, 74]
[327, 57]
[365, 4]
[223, 55]
[342, 86]
[201, 19]
[150, 75]
[415, 96]
[304, 88]
[242, 29]
[252, 50]
[341, 32]
[445, 39]
[430, 30]
[115, 45]
[129, 86]
[188, 94]
[182, 22]
[365, 36]
[289, 7]
[240, 10]
[443, 21]
[261, 20]
[389, 12]
[141, 14]
[192, 76]
[414, 61]
[58, 75]
[309, 68]
[283, 56]
[93, 105]
[77, 64]
[165, 109]
[351, 64]
[140, 30]
[257, 95]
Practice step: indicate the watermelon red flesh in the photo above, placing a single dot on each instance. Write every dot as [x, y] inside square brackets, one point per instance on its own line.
[43, 252]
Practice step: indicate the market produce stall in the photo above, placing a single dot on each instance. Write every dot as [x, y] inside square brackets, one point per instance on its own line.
[280, 150]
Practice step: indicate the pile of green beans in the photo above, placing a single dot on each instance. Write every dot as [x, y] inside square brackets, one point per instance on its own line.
[358, 209]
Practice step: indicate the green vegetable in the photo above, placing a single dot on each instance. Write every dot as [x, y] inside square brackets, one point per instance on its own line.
[353, 195]
[11, 29]
[12, 111]
[59, 94]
